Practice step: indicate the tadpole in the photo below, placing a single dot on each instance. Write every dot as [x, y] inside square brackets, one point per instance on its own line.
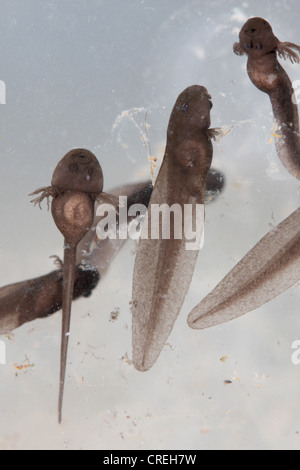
[76, 183]
[164, 265]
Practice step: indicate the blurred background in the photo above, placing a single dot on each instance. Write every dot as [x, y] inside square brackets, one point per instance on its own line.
[88, 74]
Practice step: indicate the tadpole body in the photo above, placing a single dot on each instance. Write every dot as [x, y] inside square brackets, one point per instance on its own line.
[261, 46]
[25, 301]
[164, 266]
[76, 183]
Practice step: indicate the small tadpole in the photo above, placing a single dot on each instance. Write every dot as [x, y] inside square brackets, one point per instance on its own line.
[76, 183]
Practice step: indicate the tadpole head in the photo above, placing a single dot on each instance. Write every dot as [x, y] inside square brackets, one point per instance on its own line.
[191, 110]
[257, 37]
[79, 170]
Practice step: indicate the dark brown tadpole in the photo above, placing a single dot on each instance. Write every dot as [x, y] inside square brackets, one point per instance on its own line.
[76, 183]
[167, 252]
[259, 43]
[27, 300]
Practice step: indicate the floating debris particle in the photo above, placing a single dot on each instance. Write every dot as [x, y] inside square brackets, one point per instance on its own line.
[227, 382]
[224, 359]
[114, 315]
[126, 359]
[25, 365]
[153, 166]
[204, 431]
[237, 379]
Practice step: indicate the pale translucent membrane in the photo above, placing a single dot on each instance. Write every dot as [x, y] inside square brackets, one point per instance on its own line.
[269, 269]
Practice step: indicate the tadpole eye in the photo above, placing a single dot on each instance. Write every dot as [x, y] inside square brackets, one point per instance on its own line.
[81, 158]
[251, 30]
[185, 107]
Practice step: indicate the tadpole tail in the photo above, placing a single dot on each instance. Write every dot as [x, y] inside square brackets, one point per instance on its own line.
[268, 269]
[68, 286]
